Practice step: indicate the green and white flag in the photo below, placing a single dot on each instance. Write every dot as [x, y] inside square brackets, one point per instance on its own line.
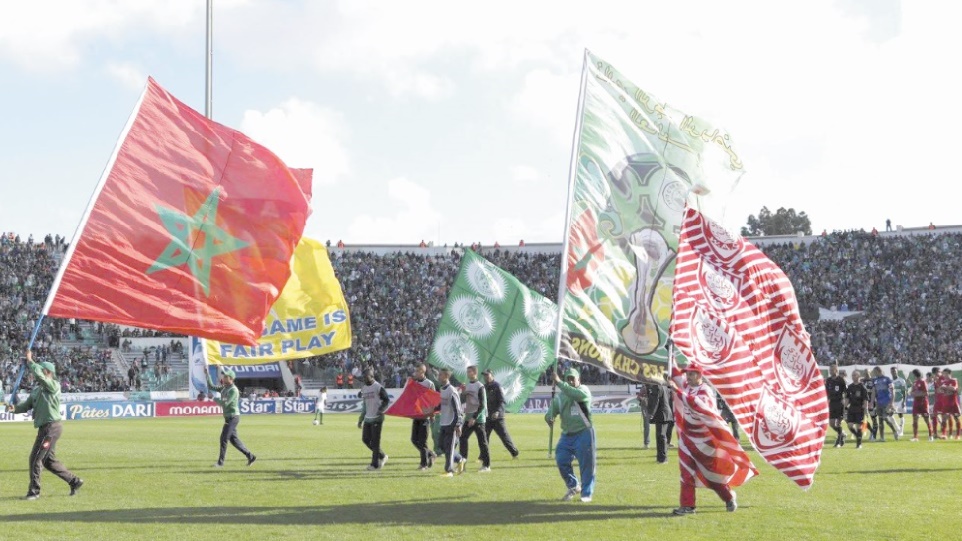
[636, 162]
[493, 321]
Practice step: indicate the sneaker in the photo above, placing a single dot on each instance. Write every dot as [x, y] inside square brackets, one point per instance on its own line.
[423, 468]
[572, 492]
[484, 469]
[881, 440]
[515, 457]
[382, 462]
[447, 474]
[75, 486]
[858, 446]
[914, 439]
[372, 468]
[896, 436]
[731, 504]
[31, 497]
[646, 446]
[586, 499]
[218, 465]
[684, 511]
[931, 438]
[838, 444]
[431, 457]
[251, 460]
[460, 467]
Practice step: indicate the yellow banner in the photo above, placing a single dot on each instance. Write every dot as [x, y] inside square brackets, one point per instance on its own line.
[309, 318]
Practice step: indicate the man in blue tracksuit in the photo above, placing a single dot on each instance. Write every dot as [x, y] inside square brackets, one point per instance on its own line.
[573, 404]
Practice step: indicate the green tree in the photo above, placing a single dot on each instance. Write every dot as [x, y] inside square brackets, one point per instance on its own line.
[782, 222]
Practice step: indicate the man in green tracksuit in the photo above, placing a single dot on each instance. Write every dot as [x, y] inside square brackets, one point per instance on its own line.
[577, 440]
[228, 401]
[44, 400]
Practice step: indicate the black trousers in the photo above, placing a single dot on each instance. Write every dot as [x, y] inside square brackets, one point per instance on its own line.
[662, 435]
[419, 438]
[229, 434]
[43, 456]
[476, 428]
[646, 429]
[501, 429]
[448, 441]
[371, 436]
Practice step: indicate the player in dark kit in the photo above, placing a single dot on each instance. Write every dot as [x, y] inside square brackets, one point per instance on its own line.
[835, 389]
[856, 399]
[495, 398]
[374, 400]
[420, 427]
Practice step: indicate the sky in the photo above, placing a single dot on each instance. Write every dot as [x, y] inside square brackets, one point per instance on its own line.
[452, 122]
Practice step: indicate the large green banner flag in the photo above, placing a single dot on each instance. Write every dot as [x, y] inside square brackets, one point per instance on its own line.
[636, 161]
[493, 321]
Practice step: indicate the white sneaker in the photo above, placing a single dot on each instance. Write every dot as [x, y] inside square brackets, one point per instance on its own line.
[572, 492]
[914, 439]
[382, 462]
[423, 468]
[372, 468]
[484, 469]
[447, 474]
[586, 499]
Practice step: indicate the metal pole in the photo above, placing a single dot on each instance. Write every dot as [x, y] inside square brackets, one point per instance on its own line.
[208, 80]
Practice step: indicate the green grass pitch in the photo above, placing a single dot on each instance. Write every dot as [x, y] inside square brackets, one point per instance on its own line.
[152, 479]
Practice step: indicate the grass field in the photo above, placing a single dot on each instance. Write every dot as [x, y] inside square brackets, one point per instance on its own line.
[152, 479]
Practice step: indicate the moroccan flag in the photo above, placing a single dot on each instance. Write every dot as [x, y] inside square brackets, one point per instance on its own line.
[635, 161]
[493, 321]
[310, 317]
[736, 317]
[191, 229]
[415, 401]
[708, 453]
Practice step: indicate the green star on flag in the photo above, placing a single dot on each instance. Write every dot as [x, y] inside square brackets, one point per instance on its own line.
[185, 231]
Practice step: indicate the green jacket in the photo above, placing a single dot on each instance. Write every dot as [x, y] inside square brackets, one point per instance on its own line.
[574, 406]
[44, 399]
[229, 396]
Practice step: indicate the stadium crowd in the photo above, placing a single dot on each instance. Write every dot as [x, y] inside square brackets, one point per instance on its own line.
[902, 292]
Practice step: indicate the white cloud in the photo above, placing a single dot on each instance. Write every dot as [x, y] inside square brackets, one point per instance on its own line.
[402, 83]
[525, 174]
[303, 134]
[127, 74]
[415, 218]
[549, 100]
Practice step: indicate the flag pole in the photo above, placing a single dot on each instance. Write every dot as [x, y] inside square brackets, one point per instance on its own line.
[208, 64]
[23, 367]
[563, 276]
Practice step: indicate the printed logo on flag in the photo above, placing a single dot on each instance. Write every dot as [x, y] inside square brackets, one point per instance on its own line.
[792, 366]
[722, 287]
[776, 423]
[725, 245]
[713, 341]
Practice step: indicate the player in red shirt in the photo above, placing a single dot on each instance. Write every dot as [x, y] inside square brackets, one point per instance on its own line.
[920, 404]
[948, 391]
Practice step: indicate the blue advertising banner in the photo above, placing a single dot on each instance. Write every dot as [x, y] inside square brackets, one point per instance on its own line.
[252, 371]
[108, 410]
[257, 407]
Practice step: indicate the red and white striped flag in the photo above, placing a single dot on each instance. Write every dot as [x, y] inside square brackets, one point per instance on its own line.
[737, 318]
[709, 455]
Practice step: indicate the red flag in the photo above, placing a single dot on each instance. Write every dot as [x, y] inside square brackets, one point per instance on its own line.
[416, 401]
[708, 454]
[191, 229]
[737, 318]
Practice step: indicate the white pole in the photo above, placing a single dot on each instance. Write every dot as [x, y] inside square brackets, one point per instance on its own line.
[208, 86]
[572, 173]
